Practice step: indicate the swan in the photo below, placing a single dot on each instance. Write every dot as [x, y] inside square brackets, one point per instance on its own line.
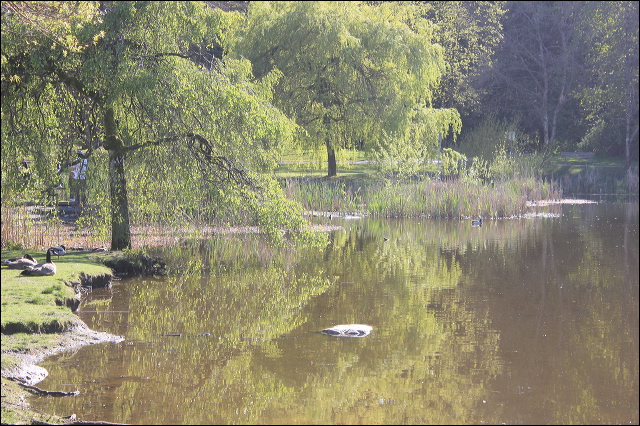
[20, 262]
[47, 268]
[348, 330]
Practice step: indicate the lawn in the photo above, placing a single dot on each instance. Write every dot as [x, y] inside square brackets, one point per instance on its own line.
[40, 304]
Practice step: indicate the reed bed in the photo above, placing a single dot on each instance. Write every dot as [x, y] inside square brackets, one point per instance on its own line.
[435, 198]
[27, 226]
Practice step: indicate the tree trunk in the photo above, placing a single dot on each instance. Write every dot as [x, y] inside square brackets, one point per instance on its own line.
[120, 231]
[331, 160]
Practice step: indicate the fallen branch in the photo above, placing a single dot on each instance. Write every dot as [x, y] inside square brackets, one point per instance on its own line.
[38, 391]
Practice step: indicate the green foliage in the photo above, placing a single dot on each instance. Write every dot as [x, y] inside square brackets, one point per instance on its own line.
[409, 154]
[608, 34]
[355, 74]
[485, 139]
[477, 172]
[502, 167]
[470, 32]
[452, 162]
[595, 138]
[189, 130]
[270, 208]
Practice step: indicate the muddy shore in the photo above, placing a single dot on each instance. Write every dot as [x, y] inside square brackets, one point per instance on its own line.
[28, 372]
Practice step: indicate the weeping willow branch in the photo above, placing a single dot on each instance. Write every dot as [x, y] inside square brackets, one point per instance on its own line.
[218, 168]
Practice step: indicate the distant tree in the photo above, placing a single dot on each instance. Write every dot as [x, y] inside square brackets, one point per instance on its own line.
[609, 36]
[354, 74]
[143, 75]
[537, 64]
[470, 32]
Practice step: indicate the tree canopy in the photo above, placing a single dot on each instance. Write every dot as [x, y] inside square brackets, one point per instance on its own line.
[354, 74]
[146, 77]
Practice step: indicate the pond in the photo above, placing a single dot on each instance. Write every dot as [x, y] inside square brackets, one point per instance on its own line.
[531, 320]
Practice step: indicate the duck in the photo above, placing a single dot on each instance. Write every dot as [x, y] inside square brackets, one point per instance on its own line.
[59, 251]
[476, 222]
[348, 330]
[20, 262]
[47, 268]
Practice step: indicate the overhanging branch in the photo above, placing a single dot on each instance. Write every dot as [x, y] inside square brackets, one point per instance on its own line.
[218, 168]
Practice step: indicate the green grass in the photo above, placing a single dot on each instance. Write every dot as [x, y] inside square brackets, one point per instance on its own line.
[598, 160]
[36, 307]
[39, 304]
[313, 164]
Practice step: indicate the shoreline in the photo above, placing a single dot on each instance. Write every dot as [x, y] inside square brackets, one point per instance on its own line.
[20, 369]
[29, 373]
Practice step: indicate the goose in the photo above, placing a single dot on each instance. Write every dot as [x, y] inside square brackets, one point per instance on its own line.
[476, 222]
[20, 262]
[348, 330]
[59, 251]
[47, 268]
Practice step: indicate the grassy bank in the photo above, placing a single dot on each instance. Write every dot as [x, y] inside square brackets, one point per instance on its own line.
[37, 321]
[35, 304]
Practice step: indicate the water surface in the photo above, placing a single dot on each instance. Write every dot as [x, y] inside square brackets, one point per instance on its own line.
[530, 320]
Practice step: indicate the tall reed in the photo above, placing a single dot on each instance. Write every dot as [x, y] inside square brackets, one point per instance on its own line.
[30, 227]
[447, 198]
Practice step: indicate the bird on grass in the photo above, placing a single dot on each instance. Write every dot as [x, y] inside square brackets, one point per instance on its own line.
[20, 262]
[59, 251]
[41, 269]
[348, 330]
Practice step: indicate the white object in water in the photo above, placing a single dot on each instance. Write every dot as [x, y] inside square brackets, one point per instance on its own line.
[348, 330]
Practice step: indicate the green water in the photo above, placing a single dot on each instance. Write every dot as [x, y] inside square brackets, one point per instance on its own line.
[530, 320]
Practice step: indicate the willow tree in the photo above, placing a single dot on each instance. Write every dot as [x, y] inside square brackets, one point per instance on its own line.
[355, 74]
[145, 75]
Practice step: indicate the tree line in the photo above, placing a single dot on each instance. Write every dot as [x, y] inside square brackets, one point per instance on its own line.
[181, 106]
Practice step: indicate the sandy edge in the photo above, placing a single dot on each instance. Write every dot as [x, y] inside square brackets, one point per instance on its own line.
[28, 372]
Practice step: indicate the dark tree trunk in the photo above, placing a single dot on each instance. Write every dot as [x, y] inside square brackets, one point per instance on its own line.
[331, 160]
[120, 231]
